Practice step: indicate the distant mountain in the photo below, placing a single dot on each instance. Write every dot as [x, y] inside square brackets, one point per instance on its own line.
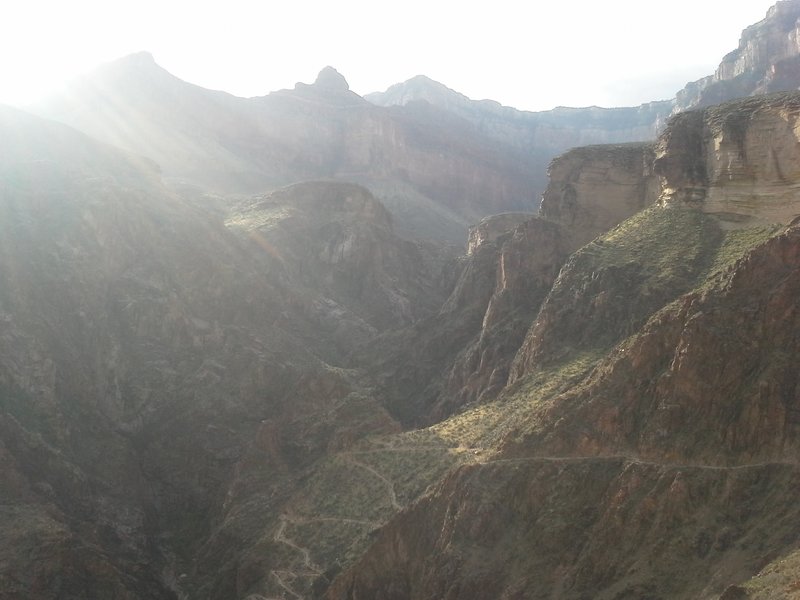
[767, 60]
[438, 160]
[216, 395]
[436, 172]
[146, 347]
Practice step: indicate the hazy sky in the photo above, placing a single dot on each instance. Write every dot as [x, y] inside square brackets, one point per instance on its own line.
[531, 55]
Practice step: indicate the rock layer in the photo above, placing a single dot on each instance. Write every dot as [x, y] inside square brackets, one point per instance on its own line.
[737, 161]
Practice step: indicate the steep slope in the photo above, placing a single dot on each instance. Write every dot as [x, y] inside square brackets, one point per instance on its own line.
[163, 384]
[766, 61]
[647, 445]
[436, 172]
[338, 240]
[464, 354]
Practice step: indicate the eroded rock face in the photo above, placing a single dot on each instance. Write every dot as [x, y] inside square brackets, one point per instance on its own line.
[594, 188]
[766, 61]
[436, 172]
[706, 380]
[490, 228]
[462, 354]
[599, 528]
[337, 239]
[657, 370]
[737, 161]
[528, 261]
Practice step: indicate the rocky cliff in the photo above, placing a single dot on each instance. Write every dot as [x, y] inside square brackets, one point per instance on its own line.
[163, 377]
[593, 189]
[646, 443]
[766, 61]
[435, 171]
[276, 396]
[743, 168]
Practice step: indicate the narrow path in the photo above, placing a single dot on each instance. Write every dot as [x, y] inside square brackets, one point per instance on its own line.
[389, 484]
[280, 537]
[311, 569]
[335, 520]
[636, 460]
[401, 449]
[284, 585]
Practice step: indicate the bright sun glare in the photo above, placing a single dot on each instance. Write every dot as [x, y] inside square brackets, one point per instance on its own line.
[532, 57]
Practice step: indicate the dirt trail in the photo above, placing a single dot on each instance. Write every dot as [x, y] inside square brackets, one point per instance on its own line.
[389, 483]
[639, 461]
[280, 537]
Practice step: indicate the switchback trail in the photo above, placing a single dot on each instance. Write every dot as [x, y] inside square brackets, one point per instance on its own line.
[389, 484]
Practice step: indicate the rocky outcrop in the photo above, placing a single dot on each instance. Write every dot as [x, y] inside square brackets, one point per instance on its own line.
[737, 161]
[592, 189]
[766, 61]
[491, 228]
[437, 173]
[337, 239]
[656, 369]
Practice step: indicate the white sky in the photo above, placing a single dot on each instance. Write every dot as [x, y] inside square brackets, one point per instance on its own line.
[531, 55]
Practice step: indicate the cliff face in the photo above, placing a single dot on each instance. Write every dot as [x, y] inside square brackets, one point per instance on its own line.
[650, 415]
[766, 61]
[595, 188]
[737, 161]
[162, 376]
[437, 172]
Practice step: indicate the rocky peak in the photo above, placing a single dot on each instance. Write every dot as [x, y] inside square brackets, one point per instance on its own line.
[594, 188]
[142, 58]
[331, 80]
[767, 60]
[420, 87]
[737, 161]
[490, 228]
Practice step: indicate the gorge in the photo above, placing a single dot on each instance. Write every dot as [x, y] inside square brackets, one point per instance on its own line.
[313, 345]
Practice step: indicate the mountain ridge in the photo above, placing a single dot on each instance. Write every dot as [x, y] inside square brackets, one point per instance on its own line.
[214, 395]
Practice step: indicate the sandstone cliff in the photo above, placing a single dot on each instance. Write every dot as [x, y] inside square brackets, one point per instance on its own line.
[162, 382]
[221, 398]
[737, 161]
[593, 189]
[436, 172]
[766, 61]
[647, 443]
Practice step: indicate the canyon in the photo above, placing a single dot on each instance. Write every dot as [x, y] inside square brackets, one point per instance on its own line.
[313, 345]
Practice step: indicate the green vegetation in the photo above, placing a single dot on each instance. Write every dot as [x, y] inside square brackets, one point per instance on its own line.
[778, 580]
[480, 429]
[736, 244]
[646, 262]
[667, 244]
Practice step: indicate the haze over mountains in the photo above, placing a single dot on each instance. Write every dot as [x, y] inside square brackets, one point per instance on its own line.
[241, 358]
[438, 160]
